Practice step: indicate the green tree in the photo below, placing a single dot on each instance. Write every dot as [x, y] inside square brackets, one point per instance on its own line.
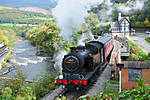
[93, 21]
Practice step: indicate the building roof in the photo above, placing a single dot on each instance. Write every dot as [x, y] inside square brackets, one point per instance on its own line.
[122, 19]
[135, 64]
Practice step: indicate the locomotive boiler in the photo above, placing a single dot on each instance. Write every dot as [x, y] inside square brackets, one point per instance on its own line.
[83, 61]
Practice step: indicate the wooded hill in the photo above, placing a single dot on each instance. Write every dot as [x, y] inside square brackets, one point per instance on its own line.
[16, 16]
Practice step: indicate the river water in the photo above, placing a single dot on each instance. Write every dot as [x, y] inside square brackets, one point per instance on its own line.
[24, 58]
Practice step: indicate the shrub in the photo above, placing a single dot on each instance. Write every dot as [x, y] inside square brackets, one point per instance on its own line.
[142, 92]
[5, 64]
[147, 39]
[17, 89]
[44, 85]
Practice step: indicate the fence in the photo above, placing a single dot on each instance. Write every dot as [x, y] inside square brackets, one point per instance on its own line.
[124, 42]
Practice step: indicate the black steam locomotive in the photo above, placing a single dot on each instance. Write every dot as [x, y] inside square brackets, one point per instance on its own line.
[83, 61]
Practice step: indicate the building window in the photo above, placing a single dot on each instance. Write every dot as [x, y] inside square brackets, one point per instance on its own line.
[134, 73]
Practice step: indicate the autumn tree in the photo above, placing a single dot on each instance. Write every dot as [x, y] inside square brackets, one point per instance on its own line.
[3, 38]
[146, 23]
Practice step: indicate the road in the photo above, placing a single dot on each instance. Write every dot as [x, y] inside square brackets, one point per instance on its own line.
[139, 39]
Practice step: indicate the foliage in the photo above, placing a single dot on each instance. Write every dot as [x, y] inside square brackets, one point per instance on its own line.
[17, 84]
[3, 38]
[139, 24]
[142, 92]
[8, 57]
[17, 89]
[140, 18]
[46, 37]
[147, 39]
[5, 64]
[109, 89]
[16, 16]
[136, 53]
[12, 32]
[113, 82]
[93, 21]
[44, 85]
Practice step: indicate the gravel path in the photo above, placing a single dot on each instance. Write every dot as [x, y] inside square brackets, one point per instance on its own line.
[100, 84]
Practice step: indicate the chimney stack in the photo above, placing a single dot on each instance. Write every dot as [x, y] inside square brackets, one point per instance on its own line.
[119, 16]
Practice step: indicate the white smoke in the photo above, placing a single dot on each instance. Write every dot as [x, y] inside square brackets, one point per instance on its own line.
[58, 57]
[86, 35]
[132, 5]
[70, 14]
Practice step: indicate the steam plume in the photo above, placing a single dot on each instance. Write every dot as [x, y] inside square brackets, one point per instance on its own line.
[58, 60]
[132, 5]
[70, 14]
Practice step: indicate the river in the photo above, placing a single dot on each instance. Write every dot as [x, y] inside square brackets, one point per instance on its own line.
[24, 58]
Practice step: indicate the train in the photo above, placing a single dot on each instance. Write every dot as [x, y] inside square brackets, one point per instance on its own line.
[3, 49]
[82, 62]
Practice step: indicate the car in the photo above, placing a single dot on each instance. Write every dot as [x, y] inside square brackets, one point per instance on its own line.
[147, 32]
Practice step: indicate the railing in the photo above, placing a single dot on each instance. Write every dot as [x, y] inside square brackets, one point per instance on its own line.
[3, 51]
[124, 42]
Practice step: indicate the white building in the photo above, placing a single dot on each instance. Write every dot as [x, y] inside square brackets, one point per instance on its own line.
[121, 27]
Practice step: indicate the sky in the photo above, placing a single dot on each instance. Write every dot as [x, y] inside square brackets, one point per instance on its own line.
[20, 3]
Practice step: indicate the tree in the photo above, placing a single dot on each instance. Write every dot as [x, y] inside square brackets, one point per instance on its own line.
[3, 38]
[146, 21]
[47, 38]
[93, 21]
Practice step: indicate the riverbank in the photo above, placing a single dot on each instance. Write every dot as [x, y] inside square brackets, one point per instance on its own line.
[24, 59]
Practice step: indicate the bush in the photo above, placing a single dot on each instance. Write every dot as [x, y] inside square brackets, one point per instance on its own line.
[5, 64]
[147, 39]
[142, 92]
[8, 57]
[44, 85]
[17, 89]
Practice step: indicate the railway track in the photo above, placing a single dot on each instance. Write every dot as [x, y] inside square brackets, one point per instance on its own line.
[70, 95]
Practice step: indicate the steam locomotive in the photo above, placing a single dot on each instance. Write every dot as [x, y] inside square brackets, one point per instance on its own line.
[83, 61]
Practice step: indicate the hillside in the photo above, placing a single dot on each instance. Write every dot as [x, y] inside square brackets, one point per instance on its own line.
[16, 16]
[36, 9]
[23, 3]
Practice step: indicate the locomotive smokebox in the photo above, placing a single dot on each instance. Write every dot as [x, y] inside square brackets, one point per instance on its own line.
[75, 61]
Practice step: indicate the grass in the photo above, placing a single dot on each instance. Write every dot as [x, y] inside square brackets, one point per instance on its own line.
[147, 39]
[4, 7]
[109, 89]
[113, 82]
[6, 24]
